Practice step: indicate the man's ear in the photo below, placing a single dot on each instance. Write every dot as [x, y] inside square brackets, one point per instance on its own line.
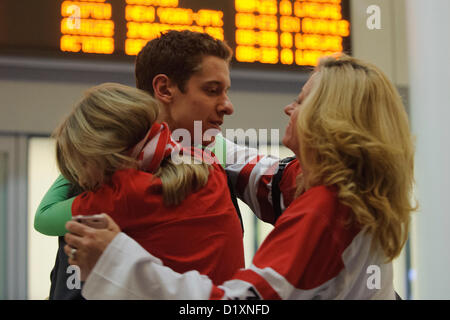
[163, 88]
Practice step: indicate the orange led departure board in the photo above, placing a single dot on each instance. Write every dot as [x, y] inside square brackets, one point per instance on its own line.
[146, 19]
[271, 34]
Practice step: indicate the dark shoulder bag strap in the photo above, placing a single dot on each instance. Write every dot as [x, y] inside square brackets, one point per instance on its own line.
[276, 193]
[235, 202]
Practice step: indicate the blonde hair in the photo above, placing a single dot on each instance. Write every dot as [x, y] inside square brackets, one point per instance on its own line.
[354, 134]
[100, 131]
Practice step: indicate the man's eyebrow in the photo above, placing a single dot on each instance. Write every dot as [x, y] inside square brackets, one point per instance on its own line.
[213, 82]
[218, 83]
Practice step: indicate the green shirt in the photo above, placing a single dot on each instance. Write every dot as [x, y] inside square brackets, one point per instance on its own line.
[55, 209]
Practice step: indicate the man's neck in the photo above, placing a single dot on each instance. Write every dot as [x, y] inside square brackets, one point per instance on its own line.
[163, 117]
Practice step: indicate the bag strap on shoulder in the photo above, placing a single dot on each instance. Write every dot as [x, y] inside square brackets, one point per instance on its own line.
[276, 193]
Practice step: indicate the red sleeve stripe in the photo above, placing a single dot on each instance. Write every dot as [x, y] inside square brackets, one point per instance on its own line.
[159, 150]
[259, 283]
[216, 293]
[244, 175]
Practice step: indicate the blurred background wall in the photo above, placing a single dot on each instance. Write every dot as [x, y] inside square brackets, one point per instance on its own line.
[429, 48]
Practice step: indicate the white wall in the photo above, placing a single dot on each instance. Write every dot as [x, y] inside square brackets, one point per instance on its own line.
[37, 107]
[429, 51]
[41, 249]
[386, 47]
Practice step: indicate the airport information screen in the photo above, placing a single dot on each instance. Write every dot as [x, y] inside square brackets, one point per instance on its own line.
[267, 34]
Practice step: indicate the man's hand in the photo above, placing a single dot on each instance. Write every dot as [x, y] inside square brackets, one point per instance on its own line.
[85, 245]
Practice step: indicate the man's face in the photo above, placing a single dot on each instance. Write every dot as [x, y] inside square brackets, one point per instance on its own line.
[205, 98]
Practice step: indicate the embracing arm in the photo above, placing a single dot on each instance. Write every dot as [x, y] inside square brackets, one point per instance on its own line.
[55, 209]
[126, 271]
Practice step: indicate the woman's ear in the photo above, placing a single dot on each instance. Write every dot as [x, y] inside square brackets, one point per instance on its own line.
[162, 87]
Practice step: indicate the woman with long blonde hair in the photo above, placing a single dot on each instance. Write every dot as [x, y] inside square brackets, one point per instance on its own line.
[349, 219]
[169, 199]
[354, 135]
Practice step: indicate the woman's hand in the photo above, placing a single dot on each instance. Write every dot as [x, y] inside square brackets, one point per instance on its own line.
[85, 245]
